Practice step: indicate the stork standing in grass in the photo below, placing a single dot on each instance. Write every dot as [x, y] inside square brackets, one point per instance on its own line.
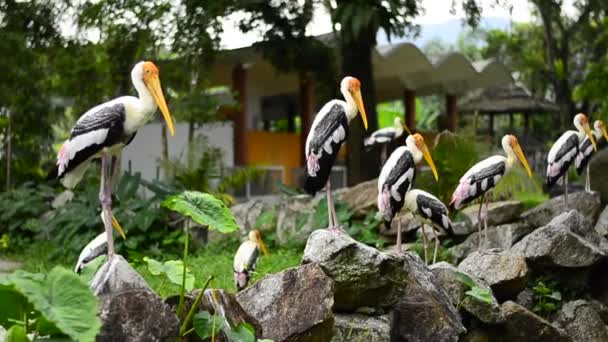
[586, 151]
[385, 135]
[432, 211]
[103, 131]
[484, 176]
[396, 179]
[328, 132]
[246, 257]
[565, 150]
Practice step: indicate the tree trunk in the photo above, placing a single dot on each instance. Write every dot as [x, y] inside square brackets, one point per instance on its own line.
[9, 152]
[357, 62]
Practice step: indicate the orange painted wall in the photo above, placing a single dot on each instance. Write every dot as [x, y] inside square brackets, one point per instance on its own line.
[274, 149]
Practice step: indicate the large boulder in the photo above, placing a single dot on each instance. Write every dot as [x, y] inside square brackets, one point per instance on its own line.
[296, 219]
[247, 213]
[588, 204]
[293, 305]
[363, 276]
[361, 328]
[524, 325]
[498, 213]
[601, 226]
[425, 312]
[501, 237]
[447, 276]
[128, 308]
[361, 198]
[581, 322]
[567, 241]
[506, 274]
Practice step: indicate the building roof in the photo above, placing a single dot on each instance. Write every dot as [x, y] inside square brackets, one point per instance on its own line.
[510, 98]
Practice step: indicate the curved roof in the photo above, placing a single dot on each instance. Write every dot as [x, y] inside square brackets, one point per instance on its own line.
[506, 99]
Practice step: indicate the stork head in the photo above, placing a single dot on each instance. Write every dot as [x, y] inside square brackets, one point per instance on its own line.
[511, 146]
[600, 127]
[352, 86]
[416, 142]
[582, 125]
[399, 124]
[147, 72]
[256, 237]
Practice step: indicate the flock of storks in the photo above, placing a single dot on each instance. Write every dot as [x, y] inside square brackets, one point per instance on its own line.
[105, 129]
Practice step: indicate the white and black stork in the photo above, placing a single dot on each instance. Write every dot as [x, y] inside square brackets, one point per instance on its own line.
[484, 176]
[104, 130]
[385, 135]
[246, 257]
[432, 211]
[564, 151]
[95, 248]
[328, 132]
[397, 177]
[586, 151]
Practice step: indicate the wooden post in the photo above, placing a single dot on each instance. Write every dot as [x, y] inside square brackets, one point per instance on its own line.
[239, 86]
[409, 104]
[306, 112]
[526, 124]
[491, 124]
[511, 123]
[450, 106]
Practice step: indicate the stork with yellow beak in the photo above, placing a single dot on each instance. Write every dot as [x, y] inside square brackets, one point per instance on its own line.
[246, 257]
[484, 176]
[327, 134]
[586, 151]
[103, 131]
[564, 151]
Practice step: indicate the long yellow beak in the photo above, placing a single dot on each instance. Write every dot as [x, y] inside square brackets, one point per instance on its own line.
[155, 89]
[359, 103]
[590, 136]
[522, 158]
[118, 228]
[263, 247]
[605, 133]
[405, 128]
[427, 156]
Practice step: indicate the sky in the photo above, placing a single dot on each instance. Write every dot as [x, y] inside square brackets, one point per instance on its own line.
[436, 11]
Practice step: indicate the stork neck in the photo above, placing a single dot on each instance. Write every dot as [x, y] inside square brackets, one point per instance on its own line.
[411, 146]
[147, 101]
[351, 107]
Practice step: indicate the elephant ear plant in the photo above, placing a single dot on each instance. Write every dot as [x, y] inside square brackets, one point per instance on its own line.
[206, 210]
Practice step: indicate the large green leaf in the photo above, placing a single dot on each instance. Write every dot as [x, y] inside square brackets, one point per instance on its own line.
[13, 305]
[16, 334]
[204, 209]
[206, 324]
[63, 299]
[480, 294]
[173, 269]
[465, 279]
[243, 333]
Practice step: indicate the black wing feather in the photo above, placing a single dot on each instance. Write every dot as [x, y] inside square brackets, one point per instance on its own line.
[403, 164]
[570, 145]
[438, 211]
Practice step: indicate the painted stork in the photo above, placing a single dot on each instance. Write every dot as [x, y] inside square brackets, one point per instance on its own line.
[484, 176]
[564, 151]
[103, 131]
[328, 132]
[95, 248]
[432, 211]
[385, 135]
[585, 151]
[246, 258]
[397, 177]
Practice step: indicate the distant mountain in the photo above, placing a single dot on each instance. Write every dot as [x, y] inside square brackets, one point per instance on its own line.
[447, 31]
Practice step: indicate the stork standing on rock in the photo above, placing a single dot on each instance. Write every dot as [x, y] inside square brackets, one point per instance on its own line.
[103, 131]
[246, 257]
[484, 176]
[385, 135]
[328, 132]
[586, 151]
[432, 211]
[397, 176]
[565, 150]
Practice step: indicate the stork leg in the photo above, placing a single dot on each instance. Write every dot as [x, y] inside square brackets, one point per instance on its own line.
[485, 223]
[479, 223]
[566, 189]
[436, 244]
[587, 179]
[334, 225]
[105, 199]
[399, 236]
[425, 246]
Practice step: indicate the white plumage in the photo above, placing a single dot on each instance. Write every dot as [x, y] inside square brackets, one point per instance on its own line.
[92, 250]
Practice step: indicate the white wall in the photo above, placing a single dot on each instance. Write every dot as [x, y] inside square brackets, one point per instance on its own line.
[144, 152]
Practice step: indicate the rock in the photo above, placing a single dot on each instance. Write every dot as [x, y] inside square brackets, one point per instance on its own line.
[526, 299]
[506, 274]
[247, 213]
[498, 213]
[361, 198]
[581, 322]
[362, 275]
[447, 276]
[425, 312]
[361, 328]
[129, 309]
[502, 237]
[588, 204]
[461, 228]
[523, 325]
[293, 305]
[602, 223]
[296, 219]
[559, 243]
